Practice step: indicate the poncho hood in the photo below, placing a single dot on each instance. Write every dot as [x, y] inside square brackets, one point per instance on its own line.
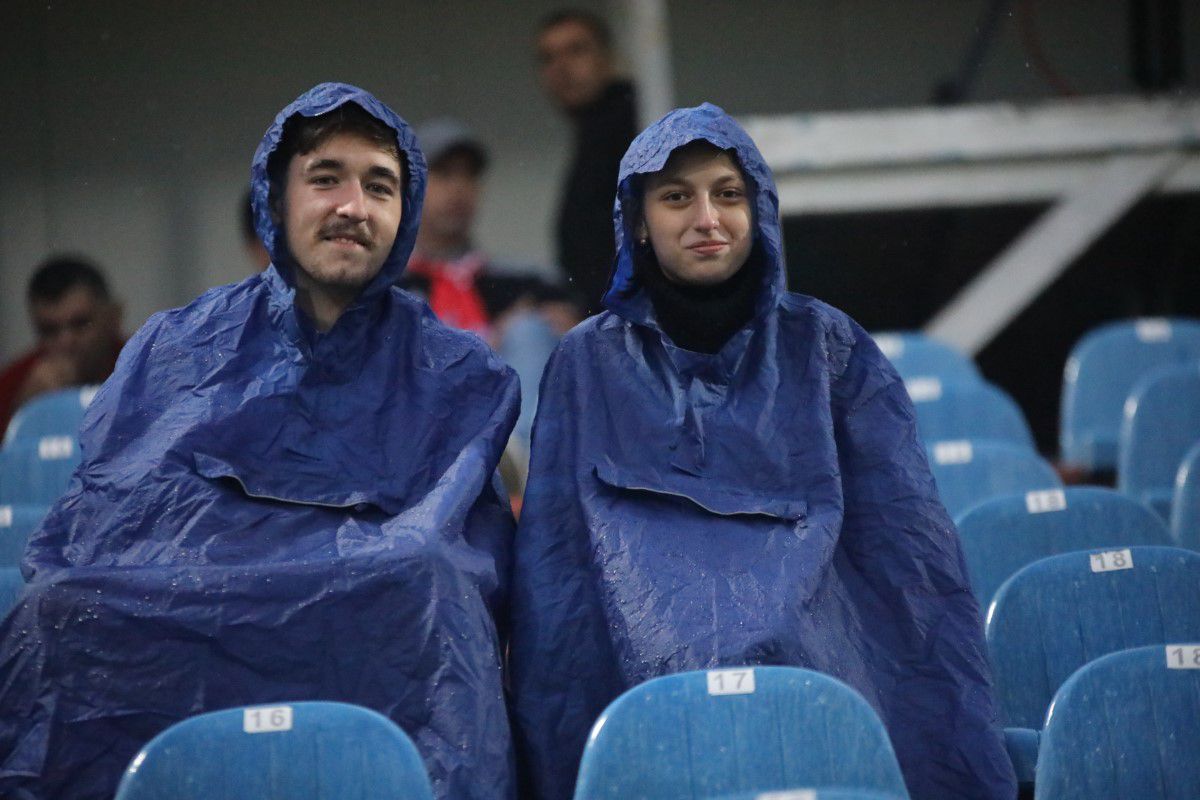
[648, 154]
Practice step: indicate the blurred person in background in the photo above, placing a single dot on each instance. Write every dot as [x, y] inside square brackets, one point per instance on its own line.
[518, 313]
[577, 71]
[78, 328]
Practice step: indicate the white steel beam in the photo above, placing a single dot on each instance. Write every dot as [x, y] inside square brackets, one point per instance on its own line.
[648, 46]
[1011, 282]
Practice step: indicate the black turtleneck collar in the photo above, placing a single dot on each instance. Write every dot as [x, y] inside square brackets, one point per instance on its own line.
[702, 318]
[615, 103]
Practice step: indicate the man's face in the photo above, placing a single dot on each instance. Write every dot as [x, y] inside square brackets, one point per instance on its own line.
[574, 68]
[341, 211]
[451, 196]
[79, 328]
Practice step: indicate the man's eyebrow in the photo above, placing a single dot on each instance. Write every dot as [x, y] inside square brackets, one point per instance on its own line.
[323, 163]
[384, 172]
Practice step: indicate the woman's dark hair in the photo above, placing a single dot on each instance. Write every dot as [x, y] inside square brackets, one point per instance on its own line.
[303, 134]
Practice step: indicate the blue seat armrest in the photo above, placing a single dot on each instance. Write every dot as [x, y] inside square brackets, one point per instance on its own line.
[1022, 745]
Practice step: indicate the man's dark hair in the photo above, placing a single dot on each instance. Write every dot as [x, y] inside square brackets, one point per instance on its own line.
[303, 134]
[595, 24]
[246, 217]
[58, 275]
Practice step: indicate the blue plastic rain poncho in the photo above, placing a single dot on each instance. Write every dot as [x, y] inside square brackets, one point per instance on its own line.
[769, 504]
[266, 513]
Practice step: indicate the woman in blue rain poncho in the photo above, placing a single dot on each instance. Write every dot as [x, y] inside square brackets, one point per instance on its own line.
[724, 473]
[271, 511]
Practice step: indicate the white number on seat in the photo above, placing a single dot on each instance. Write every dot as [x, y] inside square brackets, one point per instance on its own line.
[1183, 656]
[789, 794]
[267, 719]
[890, 346]
[1045, 500]
[1112, 560]
[957, 452]
[1153, 330]
[6, 516]
[53, 448]
[730, 681]
[924, 390]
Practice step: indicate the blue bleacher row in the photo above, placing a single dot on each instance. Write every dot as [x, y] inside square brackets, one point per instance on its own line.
[1092, 601]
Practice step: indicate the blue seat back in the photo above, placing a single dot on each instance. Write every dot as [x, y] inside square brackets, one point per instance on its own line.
[915, 355]
[1185, 509]
[1007, 533]
[11, 584]
[1126, 725]
[1102, 369]
[974, 410]
[1162, 421]
[1057, 614]
[969, 472]
[36, 472]
[54, 414]
[16, 523]
[699, 734]
[299, 751]
[810, 794]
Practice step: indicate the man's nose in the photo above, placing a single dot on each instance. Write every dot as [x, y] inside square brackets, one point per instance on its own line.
[353, 204]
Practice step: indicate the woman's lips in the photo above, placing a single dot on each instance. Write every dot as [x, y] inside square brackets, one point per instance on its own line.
[708, 248]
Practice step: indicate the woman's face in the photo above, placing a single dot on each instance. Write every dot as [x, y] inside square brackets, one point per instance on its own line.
[697, 216]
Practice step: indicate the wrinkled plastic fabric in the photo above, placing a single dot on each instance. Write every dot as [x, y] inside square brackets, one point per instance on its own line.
[268, 514]
[769, 504]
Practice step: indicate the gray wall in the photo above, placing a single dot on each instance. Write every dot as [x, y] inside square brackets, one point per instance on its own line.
[128, 127]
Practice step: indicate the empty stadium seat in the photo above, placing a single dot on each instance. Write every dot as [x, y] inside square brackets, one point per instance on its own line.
[1057, 614]
[718, 732]
[969, 472]
[298, 751]
[1102, 369]
[915, 355]
[1185, 508]
[810, 794]
[37, 471]
[1162, 421]
[11, 584]
[53, 414]
[1126, 725]
[967, 410]
[16, 523]
[1007, 533]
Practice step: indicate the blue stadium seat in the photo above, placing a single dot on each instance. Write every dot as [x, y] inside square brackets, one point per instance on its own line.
[11, 584]
[16, 523]
[967, 410]
[299, 751]
[1185, 508]
[915, 355]
[1162, 421]
[1103, 367]
[969, 472]
[54, 414]
[37, 472]
[810, 794]
[1007, 533]
[1125, 726]
[1055, 615]
[717, 732]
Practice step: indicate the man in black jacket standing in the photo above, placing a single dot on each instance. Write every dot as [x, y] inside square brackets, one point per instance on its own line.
[575, 65]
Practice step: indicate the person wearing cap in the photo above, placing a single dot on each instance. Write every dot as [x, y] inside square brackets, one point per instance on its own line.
[518, 313]
[287, 494]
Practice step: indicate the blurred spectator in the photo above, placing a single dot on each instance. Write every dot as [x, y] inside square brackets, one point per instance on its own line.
[575, 64]
[253, 246]
[519, 314]
[78, 329]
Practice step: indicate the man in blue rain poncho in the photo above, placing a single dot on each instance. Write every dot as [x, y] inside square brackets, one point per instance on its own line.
[724, 473]
[286, 494]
